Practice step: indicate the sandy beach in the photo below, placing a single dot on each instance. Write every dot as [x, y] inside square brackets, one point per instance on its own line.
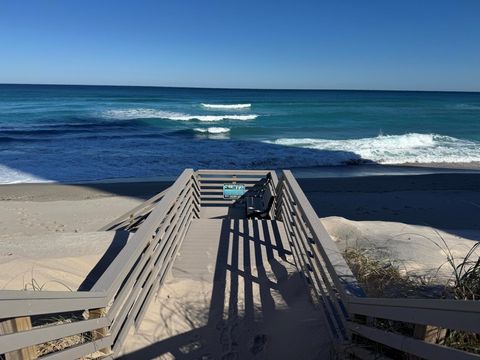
[50, 241]
[34, 216]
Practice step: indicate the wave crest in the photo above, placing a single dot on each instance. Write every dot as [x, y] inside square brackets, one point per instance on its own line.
[131, 114]
[397, 149]
[213, 130]
[227, 106]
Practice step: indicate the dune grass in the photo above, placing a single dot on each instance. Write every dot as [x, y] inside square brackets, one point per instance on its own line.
[56, 345]
[384, 278]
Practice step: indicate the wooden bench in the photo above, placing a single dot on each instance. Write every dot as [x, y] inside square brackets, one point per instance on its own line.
[258, 200]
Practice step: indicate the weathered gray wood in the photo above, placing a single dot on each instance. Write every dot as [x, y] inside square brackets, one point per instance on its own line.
[410, 345]
[140, 209]
[451, 314]
[79, 351]
[131, 288]
[112, 278]
[34, 305]
[201, 172]
[20, 295]
[337, 267]
[101, 332]
[9, 330]
[26, 336]
[321, 283]
[222, 179]
[137, 278]
[161, 255]
[162, 273]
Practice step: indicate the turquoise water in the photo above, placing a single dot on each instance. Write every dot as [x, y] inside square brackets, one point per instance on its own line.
[75, 133]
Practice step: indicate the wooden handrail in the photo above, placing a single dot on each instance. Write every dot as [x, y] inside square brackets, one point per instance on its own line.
[132, 214]
[104, 292]
[310, 241]
[113, 276]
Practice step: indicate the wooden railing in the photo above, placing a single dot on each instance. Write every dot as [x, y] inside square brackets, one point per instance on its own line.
[354, 320]
[132, 219]
[120, 296]
[316, 256]
[211, 183]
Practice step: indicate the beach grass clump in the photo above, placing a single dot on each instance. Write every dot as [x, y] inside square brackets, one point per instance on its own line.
[467, 276]
[378, 278]
[466, 287]
[53, 346]
[62, 343]
[383, 278]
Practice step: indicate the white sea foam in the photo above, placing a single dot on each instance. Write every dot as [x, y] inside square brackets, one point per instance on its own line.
[130, 114]
[227, 106]
[213, 130]
[397, 149]
[10, 175]
[119, 160]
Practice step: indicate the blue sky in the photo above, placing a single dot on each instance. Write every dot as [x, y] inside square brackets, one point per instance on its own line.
[416, 45]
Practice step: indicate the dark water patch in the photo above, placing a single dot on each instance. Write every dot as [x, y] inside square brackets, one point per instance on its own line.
[10, 139]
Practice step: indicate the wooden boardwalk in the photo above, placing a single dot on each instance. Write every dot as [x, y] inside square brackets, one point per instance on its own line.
[251, 240]
[257, 305]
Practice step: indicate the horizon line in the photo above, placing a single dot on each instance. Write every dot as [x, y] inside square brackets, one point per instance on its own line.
[242, 88]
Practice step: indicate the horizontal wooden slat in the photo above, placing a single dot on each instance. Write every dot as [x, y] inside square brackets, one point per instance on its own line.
[37, 306]
[6, 295]
[146, 266]
[440, 304]
[135, 211]
[451, 314]
[410, 345]
[229, 179]
[112, 278]
[338, 269]
[79, 351]
[210, 202]
[40, 335]
[217, 196]
[233, 172]
[205, 186]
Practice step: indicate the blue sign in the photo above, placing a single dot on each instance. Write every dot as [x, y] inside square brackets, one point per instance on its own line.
[233, 191]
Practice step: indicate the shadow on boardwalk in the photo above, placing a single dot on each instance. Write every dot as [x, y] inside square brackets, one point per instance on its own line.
[259, 307]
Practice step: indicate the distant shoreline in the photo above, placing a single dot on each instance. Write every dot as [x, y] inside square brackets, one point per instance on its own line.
[341, 171]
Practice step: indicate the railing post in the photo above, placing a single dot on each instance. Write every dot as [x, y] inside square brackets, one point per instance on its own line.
[279, 199]
[102, 332]
[16, 325]
[429, 334]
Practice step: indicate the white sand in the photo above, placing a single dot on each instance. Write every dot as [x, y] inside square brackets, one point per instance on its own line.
[34, 217]
[53, 245]
[56, 261]
[419, 251]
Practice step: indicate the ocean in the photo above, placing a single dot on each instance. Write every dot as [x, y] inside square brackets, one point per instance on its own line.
[82, 133]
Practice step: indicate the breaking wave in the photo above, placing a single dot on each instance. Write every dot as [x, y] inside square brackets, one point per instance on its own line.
[131, 114]
[227, 106]
[397, 149]
[213, 130]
